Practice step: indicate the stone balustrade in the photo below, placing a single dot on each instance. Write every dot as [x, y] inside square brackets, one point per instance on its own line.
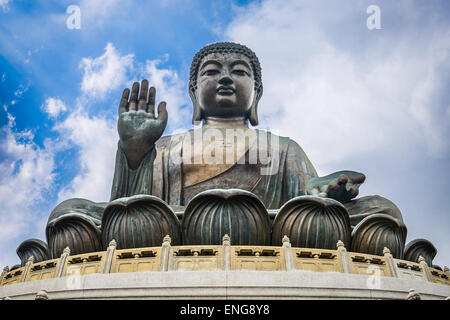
[224, 257]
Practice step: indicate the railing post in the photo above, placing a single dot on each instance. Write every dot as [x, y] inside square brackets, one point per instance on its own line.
[165, 252]
[342, 251]
[27, 268]
[62, 262]
[109, 257]
[288, 256]
[413, 295]
[226, 252]
[425, 268]
[390, 262]
[41, 295]
[5, 270]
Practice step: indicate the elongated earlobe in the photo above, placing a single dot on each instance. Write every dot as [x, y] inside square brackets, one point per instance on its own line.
[253, 117]
[197, 114]
[253, 114]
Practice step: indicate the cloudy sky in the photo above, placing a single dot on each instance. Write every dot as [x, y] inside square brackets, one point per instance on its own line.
[369, 100]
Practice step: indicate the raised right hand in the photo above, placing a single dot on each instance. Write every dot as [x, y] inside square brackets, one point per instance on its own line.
[138, 127]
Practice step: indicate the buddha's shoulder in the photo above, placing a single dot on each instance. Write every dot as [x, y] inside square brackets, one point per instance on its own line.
[283, 140]
[170, 140]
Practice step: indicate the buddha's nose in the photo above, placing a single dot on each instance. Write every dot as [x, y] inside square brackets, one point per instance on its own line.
[225, 79]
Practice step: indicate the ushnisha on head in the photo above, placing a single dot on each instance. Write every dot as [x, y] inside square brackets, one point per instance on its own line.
[225, 83]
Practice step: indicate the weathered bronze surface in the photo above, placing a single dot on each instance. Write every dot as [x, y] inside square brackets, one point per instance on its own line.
[312, 222]
[377, 231]
[363, 207]
[214, 213]
[139, 221]
[420, 247]
[32, 247]
[74, 223]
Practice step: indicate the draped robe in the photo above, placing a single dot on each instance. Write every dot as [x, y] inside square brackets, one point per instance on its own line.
[165, 173]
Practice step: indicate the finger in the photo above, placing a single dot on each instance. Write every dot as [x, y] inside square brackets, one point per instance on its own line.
[151, 101]
[124, 101]
[342, 180]
[142, 105]
[134, 96]
[353, 192]
[360, 178]
[162, 112]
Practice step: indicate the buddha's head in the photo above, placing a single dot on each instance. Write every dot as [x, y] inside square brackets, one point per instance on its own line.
[225, 83]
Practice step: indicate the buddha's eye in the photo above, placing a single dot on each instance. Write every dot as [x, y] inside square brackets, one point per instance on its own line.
[240, 72]
[210, 72]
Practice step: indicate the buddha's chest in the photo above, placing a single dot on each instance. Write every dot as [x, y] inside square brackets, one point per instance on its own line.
[239, 176]
[205, 160]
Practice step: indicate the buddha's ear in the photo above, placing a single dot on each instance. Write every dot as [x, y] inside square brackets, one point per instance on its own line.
[253, 116]
[197, 114]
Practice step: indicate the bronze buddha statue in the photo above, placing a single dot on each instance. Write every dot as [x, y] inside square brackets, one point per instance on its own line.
[225, 87]
[256, 169]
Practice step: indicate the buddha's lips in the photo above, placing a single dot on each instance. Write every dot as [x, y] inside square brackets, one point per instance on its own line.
[225, 91]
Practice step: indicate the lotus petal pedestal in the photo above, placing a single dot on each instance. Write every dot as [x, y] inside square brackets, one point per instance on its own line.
[312, 222]
[420, 247]
[139, 221]
[74, 223]
[32, 247]
[377, 231]
[212, 214]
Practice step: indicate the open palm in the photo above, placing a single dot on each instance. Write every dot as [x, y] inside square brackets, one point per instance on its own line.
[138, 127]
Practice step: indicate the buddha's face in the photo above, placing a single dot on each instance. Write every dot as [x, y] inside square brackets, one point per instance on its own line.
[225, 85]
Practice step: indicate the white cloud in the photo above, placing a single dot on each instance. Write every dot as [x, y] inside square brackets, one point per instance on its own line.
[26, 175]
[97, 139]
[4, 5]
[53, 107]
[170, 88]
[348, 101]
[105, 73]
[94, 13]
[20, 91]
[28, 171]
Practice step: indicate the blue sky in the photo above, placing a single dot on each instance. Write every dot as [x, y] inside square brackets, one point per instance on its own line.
[374, 101]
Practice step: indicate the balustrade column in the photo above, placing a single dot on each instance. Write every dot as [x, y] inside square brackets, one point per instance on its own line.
[226, 252]
[27, 268]
[390, 262]
[165, 253]
[288, 255]
[425, 269]
[345, 262]
[109, 257]
[62, 262]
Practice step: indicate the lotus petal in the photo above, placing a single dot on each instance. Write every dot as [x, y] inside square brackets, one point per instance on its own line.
[213, 213]
[139, 221]
[312, 222]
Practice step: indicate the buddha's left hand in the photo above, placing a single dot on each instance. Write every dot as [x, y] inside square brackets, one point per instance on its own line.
[341, 186]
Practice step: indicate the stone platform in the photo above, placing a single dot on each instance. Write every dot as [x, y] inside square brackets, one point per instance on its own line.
[190, 285]
[225, 272]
